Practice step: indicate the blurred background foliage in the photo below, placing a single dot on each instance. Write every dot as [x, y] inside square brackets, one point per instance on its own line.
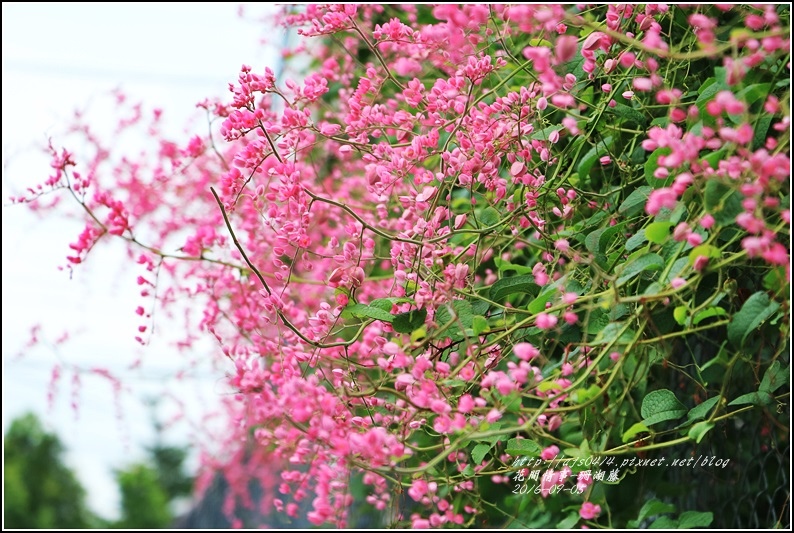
[42, 492]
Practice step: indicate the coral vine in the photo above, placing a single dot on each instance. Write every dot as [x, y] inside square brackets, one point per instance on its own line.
[464, 227]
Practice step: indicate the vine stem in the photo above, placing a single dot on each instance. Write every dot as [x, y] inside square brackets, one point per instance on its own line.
[261, 278]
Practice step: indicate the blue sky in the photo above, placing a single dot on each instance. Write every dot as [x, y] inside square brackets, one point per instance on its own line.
[58, 57]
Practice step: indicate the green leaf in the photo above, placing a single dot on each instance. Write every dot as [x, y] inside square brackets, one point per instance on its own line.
[753, 93]
[542, 135]
[619, 311]
[593, 239]
[410, 321]
[706, 250]
[775, 280]
[723, 202]
[506, 266]
[653, 508]
[479, 307]
[708, 312]
[512, 403]
[629, 114]
[652, 164]
[605, 238]
[755, 310]
[584, 395]
[635, 241]
[660, 406]
[713, 158]
[539, 304]
[507, 286]
[479, 324]
[664, 522]
[611, 332]
[680, 313]
[761, 399]
[479, 452]
[468, 471]
[493, 439]
[710, 88]
[601, 148]
[693, 519]
[650, 261]
[761, 127]
[700, 411]
[677, 269]
[569, 521]
[521, 447]
[597, 321]
[573, 452]
[366, 311]
[699, 430]
[649, 509]
[658, 232]
[382, 303]
[633, 431]
[462, 314]
[674, 215]
[774, 378]
[490, 216]
[722, 358]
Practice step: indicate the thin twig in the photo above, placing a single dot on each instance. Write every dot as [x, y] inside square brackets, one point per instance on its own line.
[237, 243]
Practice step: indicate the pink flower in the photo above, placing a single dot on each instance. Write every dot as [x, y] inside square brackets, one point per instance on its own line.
[550, 453]
[545, 321]
[465, 403]
[754, 246]
[562, 245]
[440, 406]
[589, 511]
[776, 254]
[750, 223]
[593, 41]
[661, 198]
[700, 262]
[525, 351]
[642, 84]
[548, 482]
[420, 523]
[418, 489]
[493, 415]
[694, 239]
[583, 480]
[566, 47]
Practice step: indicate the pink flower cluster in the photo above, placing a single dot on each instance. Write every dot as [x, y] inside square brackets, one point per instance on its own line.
[359, 245]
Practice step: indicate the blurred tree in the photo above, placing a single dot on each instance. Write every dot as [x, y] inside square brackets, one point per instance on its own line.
[144, 502]
[149, 488]
[168, 462]
[40, 492]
